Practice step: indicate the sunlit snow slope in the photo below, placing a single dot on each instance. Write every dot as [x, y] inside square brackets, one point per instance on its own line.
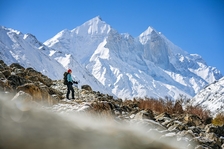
[211, 97]
[16, 47]
[25, 49]
[148, 65]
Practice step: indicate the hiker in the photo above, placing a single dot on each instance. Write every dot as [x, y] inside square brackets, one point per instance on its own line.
[69, 84]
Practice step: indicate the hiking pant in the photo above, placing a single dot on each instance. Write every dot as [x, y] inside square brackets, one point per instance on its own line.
[69, 87]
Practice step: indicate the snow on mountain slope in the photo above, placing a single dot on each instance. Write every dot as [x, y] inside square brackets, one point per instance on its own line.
[211, 97]
[82, 41]
[25, 49]
[16, 47]
[149, 65]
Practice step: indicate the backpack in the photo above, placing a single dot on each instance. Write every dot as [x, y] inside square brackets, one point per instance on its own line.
[65, 78]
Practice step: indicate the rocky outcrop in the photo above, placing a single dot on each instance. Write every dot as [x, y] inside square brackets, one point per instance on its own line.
[16, 78]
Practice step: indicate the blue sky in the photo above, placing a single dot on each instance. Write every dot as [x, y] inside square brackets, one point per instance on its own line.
[197, 26]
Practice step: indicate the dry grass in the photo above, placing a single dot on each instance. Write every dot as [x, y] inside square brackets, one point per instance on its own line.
[161, 105]
[218, 120]
[199, 111]
[173, 106]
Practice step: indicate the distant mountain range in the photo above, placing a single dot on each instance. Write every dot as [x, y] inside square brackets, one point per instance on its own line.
[110, 62]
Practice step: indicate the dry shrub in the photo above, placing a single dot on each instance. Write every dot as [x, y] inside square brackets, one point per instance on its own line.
[219, 119]
[199, 111]
[151, 103]
[161, 105]
[173, 107]
[101, 109]
[178, 109]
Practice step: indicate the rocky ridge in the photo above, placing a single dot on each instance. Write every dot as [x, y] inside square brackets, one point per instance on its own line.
[25, 85]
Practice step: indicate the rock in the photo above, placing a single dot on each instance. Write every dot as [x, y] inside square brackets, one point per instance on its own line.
[212, 136]
[3, 64]
[31, 89]
[178, 126]
[144, 115]
[43, 79]
[4, 86]
[31, 72]
[163, 117]
[1, 67]
[15, 81]
[102, 108]
[2, 76]
[192, 120]
[199, 147]
[6, 73]
[39, 94]
[219, 130]
[86, 87]
[22, 100]
[222, 146]
[196, 130]
[16, 66]
[47, 99]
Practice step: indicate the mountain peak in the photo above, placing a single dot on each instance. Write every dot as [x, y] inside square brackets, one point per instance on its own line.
[10, 30]
[97, 18]
[148, 31]
[93, 26]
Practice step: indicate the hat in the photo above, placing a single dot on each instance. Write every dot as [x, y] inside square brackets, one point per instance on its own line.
[69, 70]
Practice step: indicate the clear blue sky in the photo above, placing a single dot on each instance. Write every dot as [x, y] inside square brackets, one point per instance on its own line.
[197, 26]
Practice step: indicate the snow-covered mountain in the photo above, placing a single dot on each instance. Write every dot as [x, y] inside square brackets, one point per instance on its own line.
[111, 62]
[25, 49]
[211, 97]
[16, 47]
[148, 65]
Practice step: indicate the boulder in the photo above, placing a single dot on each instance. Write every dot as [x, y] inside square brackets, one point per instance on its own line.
[39, 94]
[6, 73]
[86, 87]
[102, 108]
[192, 120]
[163, 117]
[15, 81]
[16, 66]
[31, 89]
[22, 100]
[144, 115]
[3, 66]
[212, 136]
[2, 76]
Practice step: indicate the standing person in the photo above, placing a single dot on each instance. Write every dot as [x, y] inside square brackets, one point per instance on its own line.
[69, 85]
